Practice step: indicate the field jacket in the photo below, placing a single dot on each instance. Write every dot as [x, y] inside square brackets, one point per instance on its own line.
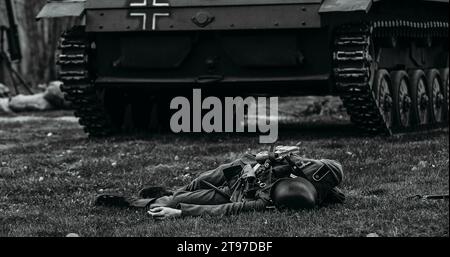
[255, 196]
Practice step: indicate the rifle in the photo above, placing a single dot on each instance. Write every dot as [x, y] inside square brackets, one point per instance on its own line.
[430, 197]
[278, 154]
[265, 160]
[15, 52]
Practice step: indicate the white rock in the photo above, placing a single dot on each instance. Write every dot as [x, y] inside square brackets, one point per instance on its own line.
[372, 235]
[4, 91]
[72, 235]
[55, 96]
[35, 102]
[422, 164]
[4, 106]
[42, 86]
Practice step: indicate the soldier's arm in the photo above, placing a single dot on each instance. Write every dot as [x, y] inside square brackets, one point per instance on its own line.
[223, 209]
[216, 177]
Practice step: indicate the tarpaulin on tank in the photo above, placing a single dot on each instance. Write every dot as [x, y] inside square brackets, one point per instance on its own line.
[359, 5]
[103, 4]
[62, 9]
[345, 6]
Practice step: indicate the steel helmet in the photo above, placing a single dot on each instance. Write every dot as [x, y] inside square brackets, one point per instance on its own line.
[294, 194]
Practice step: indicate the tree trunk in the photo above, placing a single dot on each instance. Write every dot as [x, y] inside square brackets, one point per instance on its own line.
[38, 41]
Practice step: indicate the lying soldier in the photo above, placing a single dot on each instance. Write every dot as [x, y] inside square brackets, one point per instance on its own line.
[281, 179]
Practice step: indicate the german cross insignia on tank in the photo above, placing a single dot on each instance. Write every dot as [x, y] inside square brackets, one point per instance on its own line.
[149, 17]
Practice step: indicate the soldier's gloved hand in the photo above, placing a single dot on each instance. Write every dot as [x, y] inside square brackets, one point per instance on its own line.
[162, 213]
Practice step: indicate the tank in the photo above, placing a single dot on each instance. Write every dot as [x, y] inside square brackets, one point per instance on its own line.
[386, 59]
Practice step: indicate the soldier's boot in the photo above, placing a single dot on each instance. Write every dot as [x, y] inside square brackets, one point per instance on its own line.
[154, 192]
[112, 200]
[335, 196]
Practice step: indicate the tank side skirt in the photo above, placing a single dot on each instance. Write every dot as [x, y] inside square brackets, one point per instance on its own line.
[120, 4]
[150, 19]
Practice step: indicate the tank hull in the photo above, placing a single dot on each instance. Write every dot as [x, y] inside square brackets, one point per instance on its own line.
[257, 62]
[272, 51]
[367, 52]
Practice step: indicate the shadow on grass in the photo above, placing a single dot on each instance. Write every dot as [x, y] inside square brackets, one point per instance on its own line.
[286, 131]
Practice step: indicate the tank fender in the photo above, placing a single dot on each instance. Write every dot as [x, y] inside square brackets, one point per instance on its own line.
[59, 9]
[330, 6]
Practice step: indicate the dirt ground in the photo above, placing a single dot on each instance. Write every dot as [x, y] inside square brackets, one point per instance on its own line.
[50, 172]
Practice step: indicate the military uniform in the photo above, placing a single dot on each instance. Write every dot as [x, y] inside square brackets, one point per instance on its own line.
[244, 185]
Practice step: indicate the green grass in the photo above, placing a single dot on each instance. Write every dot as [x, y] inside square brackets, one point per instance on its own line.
[47, 183]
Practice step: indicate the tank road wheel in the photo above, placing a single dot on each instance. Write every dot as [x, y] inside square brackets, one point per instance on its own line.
[114, 105]
[402, 99]
[382, 88]
[436, 95]
[145, 113]
[445, 80]
[420, 99]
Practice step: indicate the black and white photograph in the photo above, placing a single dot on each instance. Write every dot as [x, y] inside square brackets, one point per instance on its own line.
[205, 120]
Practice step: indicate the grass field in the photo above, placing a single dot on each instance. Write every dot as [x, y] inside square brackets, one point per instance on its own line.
[50, 173]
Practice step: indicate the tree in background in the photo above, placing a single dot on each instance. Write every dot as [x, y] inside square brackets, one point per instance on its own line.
[39, 41]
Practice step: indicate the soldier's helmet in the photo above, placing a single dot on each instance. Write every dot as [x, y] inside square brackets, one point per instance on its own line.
[294, 194]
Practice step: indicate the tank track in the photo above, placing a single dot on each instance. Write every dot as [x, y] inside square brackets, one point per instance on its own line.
[78, 83]
[354, 71]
